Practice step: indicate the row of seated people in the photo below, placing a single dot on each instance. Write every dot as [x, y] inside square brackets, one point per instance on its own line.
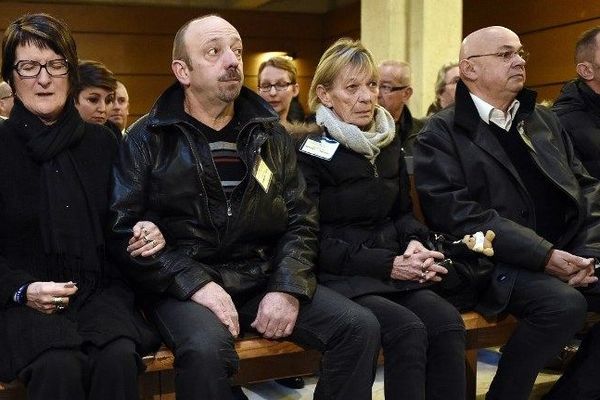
[247, 236]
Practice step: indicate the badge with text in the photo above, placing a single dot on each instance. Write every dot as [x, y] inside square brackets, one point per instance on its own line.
[322, 147]
[262, 174]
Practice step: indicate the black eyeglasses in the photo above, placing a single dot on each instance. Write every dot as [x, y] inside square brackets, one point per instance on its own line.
[389, 89]
[279, 86]
[507, 56]
[31, 69]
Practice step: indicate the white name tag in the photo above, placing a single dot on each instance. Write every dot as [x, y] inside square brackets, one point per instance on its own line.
[262, 174]
[323, 147]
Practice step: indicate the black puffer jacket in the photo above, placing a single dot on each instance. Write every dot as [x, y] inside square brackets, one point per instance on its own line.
[254, 240]
[578, 108]
[366, 218]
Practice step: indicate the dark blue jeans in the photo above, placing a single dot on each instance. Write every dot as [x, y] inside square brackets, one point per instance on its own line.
[205, 357]
[423, 340]
[550, 312]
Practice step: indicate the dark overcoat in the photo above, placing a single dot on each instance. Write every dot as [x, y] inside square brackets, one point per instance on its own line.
[467, 183]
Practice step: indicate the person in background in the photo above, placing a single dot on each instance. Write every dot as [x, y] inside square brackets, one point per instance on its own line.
[445, 87]
[69, 326]
[119, 112]
[6, 99]
[95, 94]
[578, 105]
[371, 245]
[213, 162]
[277, 84]
[498, 161]
[394, 93]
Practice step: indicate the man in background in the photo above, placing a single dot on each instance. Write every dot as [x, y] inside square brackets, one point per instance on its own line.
[6, 99]
[394, 93]
[120, 110]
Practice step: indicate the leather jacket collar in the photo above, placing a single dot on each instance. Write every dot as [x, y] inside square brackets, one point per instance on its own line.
[168, 109]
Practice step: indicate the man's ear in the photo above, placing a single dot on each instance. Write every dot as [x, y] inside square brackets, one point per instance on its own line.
[181, 71]
[408, 92]
[323, 96]
[467, 70]
[585, 70]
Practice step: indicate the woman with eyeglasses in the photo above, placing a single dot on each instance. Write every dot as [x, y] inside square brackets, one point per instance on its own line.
[370, 242]
[69, 329]
[277, 84]
[445, 87]
[95, 94]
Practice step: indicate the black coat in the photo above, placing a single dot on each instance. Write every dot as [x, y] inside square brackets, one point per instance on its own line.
[106, 314]
[466, 183]
[366, 218]
[578, 108]
[256, 240]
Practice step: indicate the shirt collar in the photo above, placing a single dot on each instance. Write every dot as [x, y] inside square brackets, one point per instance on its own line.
[489, 113]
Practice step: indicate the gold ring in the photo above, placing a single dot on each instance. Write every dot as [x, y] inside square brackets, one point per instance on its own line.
[58, 301]
[146, 240]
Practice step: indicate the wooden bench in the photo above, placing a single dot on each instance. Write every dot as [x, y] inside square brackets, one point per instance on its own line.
[262, 359]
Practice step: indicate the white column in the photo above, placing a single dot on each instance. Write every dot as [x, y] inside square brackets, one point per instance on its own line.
[425, 33]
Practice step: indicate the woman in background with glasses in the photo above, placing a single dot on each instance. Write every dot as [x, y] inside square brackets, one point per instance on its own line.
[278, 86]
[68, 325]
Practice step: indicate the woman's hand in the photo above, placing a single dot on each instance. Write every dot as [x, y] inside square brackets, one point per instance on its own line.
[146, 241]
[50, 297]
[418, 264]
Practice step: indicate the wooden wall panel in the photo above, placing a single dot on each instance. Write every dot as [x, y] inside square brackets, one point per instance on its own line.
[548, 29]
[135, 41]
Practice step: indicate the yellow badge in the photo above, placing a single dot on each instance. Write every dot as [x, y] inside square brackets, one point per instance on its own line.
[262, 174]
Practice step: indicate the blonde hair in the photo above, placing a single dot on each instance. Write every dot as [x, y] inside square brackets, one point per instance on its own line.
[344, 52]
[282, 63]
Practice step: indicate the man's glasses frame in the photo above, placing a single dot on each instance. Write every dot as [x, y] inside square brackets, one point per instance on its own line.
[506, 56]
[391, 89]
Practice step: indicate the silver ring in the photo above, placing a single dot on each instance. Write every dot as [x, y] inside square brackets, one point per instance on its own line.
[154, 243]
[146, 240]
[422, 275]
[60, 307]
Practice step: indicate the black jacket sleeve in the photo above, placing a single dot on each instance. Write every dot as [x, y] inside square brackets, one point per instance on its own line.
[170, 271]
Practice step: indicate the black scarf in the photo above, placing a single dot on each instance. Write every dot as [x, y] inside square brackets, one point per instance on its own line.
[70, 228]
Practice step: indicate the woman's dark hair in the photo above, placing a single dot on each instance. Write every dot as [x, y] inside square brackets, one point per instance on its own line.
[95, 74]
[43, 31]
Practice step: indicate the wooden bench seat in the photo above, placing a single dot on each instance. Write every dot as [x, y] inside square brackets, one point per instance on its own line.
[262, 359]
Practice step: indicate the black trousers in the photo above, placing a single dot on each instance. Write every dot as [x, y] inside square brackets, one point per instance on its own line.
[550, 312]
[346, 333]
[93, 373]
[423, 340]
[581, 380]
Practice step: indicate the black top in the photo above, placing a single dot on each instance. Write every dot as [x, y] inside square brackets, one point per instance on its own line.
[549, 201]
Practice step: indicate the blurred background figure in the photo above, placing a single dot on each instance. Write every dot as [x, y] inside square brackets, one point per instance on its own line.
[95, 94]
[445, 87]
[277, 85]
[394, 93]
[120, 110]
[6, 99]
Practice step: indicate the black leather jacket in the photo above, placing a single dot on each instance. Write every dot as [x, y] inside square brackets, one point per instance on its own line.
[254, 240]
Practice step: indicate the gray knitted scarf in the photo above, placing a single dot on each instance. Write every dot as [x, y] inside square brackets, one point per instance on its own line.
[368, 143]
